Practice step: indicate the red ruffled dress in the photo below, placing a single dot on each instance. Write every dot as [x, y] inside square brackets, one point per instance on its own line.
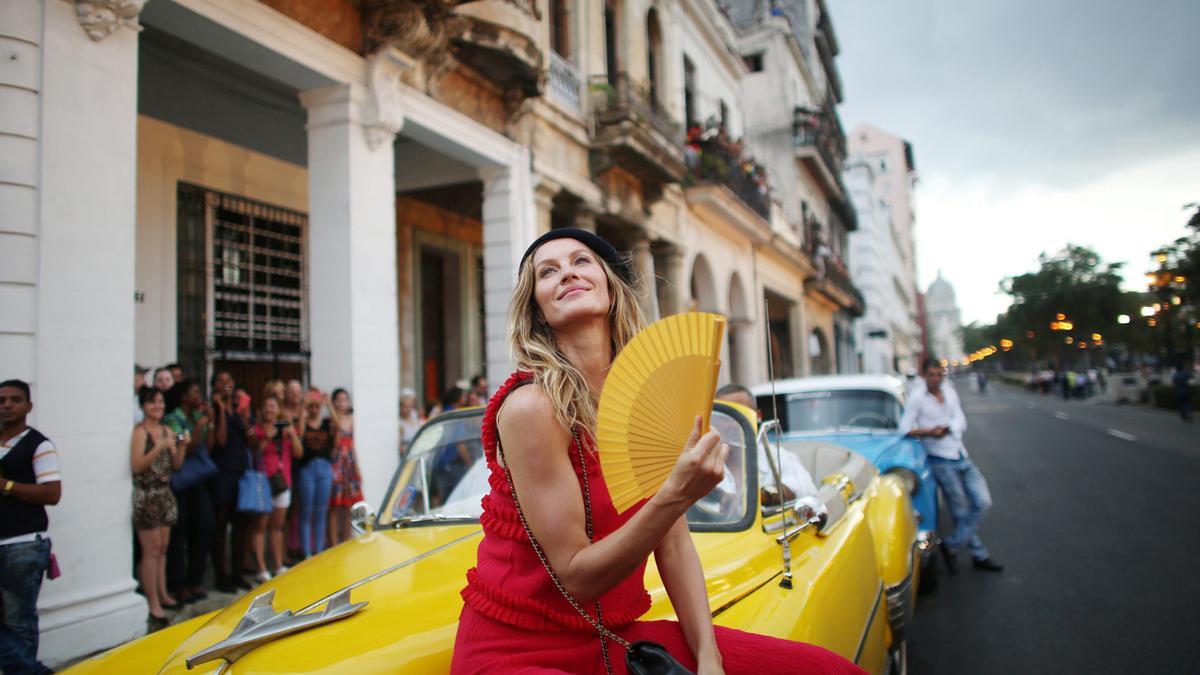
[515, 621]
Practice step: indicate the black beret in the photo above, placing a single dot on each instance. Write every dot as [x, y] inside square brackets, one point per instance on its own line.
[590, 239]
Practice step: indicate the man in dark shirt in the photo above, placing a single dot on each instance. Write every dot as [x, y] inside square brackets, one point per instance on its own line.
[30, 478]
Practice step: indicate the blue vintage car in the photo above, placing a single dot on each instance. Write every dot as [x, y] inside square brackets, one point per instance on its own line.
[862, 413]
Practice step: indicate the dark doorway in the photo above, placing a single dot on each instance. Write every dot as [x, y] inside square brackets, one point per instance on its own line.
[440, 318]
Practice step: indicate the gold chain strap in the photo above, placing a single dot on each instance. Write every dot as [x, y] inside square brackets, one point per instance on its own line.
[598, 621]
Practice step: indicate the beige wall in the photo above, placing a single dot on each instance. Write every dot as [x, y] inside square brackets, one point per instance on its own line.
[168, 154]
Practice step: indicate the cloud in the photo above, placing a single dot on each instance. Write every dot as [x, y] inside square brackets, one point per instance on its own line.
[977, 231]
[1020, 91]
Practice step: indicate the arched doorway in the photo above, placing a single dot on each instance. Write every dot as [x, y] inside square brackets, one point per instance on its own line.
[703, 286]
[820, 356]
[741, 353]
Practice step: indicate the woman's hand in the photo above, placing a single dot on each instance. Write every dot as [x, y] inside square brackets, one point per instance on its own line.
[699, 468]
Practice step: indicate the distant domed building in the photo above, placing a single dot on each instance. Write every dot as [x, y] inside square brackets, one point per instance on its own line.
[944, 320]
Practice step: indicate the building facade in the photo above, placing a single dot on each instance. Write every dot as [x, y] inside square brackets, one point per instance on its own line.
[944, 323]
[881, 175]
[339, 192]
[790, 100]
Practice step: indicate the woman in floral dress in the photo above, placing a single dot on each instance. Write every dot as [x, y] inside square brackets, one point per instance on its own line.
[347, 479]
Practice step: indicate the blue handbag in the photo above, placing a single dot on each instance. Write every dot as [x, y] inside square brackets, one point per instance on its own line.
[254, 491]
[197, 468]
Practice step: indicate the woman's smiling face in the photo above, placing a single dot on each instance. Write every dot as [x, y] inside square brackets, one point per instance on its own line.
[569, 283]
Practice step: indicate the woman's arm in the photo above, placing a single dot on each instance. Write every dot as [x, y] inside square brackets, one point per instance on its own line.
[178, 452]
[139, 457]
[220, 427]
[683, 577]
[334, 415]
[297, 444]
[536, 448]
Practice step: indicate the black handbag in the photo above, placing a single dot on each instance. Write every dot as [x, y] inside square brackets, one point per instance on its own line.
[641, 658]
[278, 484]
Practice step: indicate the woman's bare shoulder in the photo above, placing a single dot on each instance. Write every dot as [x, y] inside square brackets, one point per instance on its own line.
[526, 405]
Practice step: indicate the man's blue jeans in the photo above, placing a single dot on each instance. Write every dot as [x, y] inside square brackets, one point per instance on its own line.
[967, 493]
[22, 567]
[316, 482]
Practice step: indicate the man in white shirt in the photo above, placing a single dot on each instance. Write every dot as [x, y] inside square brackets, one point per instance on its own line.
[935, 416]
[796, 480]
[30, 479]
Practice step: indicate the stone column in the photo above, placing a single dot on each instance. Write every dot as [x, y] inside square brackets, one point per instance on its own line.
[668, 263]
[585, 219]
[68, 165]
[353, 323]
[543, 199]
[643, 271]
[509, 226]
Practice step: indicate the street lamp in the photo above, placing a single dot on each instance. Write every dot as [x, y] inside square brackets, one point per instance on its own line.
[1123, 319]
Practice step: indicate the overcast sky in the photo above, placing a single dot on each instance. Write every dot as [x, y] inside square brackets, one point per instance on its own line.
[1034, 124]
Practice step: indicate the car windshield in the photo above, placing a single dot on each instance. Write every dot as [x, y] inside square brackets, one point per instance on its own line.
[823, 410]
[444, 476]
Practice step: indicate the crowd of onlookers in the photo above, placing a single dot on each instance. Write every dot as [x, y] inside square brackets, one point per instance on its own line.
[191, 451]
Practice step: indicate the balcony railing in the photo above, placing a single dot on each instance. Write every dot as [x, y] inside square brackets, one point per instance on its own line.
[820, 129]
[620, 98]
[712, 160]
[565, 83]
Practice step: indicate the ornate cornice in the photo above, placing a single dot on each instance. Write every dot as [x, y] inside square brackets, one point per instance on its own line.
[100, 18]
[383, 114]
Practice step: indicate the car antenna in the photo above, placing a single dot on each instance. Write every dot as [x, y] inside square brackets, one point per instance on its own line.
[786, 582]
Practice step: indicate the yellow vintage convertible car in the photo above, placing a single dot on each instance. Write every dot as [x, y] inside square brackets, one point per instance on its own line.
[834, 569]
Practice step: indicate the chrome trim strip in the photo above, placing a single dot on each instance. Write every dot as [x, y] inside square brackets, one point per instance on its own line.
[393, 568]
[870, 622]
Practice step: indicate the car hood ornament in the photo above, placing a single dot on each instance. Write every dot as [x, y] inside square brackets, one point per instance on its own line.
[262, 624]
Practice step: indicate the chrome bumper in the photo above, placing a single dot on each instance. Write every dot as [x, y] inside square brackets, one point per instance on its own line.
[901, 604]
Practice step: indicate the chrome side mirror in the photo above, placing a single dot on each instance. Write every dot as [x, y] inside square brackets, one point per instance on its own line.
[812, 511]
[362, 517]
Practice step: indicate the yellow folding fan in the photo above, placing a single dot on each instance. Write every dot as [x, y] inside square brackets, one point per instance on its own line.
[660, 381]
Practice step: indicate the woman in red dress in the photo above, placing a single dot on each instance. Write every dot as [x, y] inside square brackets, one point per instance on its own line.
[573, 309]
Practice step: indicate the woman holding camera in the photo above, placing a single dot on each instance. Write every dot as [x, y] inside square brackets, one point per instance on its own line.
[154, 455]
[277, 444]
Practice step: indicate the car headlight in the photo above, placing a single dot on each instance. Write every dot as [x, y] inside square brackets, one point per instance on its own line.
[907, 476]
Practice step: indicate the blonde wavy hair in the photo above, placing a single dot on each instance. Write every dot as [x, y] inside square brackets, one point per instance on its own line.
[534, 349]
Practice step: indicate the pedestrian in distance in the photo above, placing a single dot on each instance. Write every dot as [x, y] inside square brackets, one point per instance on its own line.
[30, 480]
[1181, 380]
[479, 386]
[410, 420]
[154, 454]
[163, 380]
[231, 423]
[189, 417]
[276, 444]
[347, 478]
[139, 381]
[935, 416]
[315, 475]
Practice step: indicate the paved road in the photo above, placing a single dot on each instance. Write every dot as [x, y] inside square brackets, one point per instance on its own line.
[1097, 520]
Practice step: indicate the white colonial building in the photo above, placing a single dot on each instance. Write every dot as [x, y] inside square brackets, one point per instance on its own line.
[943, 321]
[340, 191]
[880, 175]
